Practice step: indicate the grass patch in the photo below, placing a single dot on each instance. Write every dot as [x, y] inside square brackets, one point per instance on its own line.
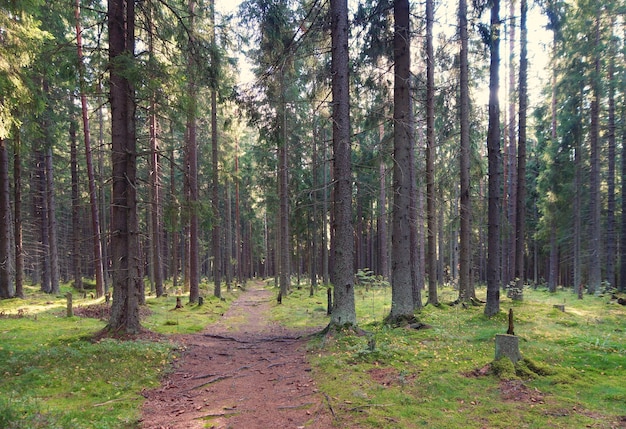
[54, 375]
[571, 375]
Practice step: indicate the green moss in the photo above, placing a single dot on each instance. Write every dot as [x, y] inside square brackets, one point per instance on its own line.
[504, 369]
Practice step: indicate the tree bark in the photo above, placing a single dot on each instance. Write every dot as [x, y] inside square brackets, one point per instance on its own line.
[610, 214]
[228, 235]
[466, 290]
[495, 161]
[41, 210]
[77, 274]
[511, 180]
[401, 279]
[124, 223]
[431, 210]
[594, 179]
[53, 248]
[344, 312]
[520, 206]
[216, 227]
[17, 221]
[156, 230]
[192, 167]
[93, 198]
[7, 289]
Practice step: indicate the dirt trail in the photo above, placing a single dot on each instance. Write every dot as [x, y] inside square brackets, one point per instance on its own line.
[242, 372]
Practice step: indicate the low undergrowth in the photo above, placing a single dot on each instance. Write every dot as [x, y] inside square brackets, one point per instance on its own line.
[571, 375]
[56, 374]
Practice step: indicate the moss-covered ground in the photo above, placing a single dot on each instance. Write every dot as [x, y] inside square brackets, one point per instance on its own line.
[573, 374]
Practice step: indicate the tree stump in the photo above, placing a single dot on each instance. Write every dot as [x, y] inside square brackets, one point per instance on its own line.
[179, 303]
[200, 301]
[508, 346]
[560, 307]
[511, 330]
[70, 309]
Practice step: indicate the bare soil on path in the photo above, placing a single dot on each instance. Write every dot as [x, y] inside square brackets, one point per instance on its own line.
[242, 372]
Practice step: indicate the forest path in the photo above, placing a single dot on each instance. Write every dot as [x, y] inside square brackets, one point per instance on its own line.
[242, 372]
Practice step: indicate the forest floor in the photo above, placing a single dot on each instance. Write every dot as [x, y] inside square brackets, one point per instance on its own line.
[242, 372]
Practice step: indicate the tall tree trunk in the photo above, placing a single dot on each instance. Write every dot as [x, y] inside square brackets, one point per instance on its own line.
[511, 181]
[554, 258]
[44, 224]
[325, 185]
[228, 248]
[622, 275]
[93, 198]
[7, 289]
[431, 215]
[174, 203]
[343, 312]
[520, 217]
[238, 223]
[283, 247]
[417, 280]
[156, 227]
[382, 207]
[155, 203]
[192, 167]
[495, 161]
[102, 179]
[53, 249]
[594, 179]
[401, 279]
[315, 196]
[610, 214]
[17, 221]
[77, 274]
[466, 290]
[216, 227]
[124, 223]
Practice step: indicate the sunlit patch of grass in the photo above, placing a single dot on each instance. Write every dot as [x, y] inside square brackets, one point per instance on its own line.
[54, 375]
[582, 351]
